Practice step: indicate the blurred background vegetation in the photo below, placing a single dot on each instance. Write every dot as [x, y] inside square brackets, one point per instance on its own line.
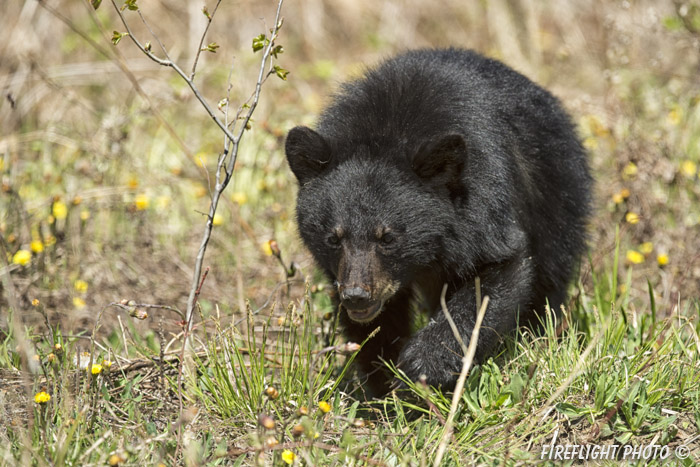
[106, 159]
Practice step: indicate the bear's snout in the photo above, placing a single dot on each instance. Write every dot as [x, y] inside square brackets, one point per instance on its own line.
[356, 298]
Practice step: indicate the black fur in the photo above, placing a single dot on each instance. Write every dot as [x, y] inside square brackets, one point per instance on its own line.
[436, 167]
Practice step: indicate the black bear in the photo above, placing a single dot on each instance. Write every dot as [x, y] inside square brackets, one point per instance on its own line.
[434, 168]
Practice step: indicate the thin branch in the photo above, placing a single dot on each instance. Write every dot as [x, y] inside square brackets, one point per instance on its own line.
[459, 388]
[128, 307]
[233, 142]
[451, 322]
[210, 18]
[148, 26]
[187, 327]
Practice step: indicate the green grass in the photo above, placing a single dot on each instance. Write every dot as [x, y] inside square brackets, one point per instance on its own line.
[256, 391]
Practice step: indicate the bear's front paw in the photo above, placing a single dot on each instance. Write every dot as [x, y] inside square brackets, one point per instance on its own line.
[423, 357]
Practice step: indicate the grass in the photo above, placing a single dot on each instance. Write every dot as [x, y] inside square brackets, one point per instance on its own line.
[280, 384]
[108, 205]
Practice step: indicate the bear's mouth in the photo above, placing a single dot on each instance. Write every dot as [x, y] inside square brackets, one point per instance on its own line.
[365, 315]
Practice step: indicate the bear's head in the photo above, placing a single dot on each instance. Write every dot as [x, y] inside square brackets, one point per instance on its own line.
[377, 218]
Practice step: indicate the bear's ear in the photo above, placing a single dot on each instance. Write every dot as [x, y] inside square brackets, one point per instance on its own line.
[440, 161]
[308, 153]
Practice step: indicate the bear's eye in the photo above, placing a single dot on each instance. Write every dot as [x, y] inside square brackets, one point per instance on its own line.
[387, 238]
[333, 240]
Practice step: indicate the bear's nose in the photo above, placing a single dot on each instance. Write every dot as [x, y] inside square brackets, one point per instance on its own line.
[355, 298]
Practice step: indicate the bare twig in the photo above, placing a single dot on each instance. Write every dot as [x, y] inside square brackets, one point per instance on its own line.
[186, 352]
[231, 150]
[459, 388]
[451, 322]
[155, 36]
[210, 17]
[130, 306]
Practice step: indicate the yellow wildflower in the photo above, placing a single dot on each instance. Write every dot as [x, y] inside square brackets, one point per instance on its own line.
[200, 159]
[77, 200]
[35, 302]
[625, 193]
[78, 302]
[689, 168]
[646, 247]
[662, 259]
[674, 116]
[133, 183]
[80, 286]
[59, 210]
[96, 369]
[218, 219]
[200, 191]
[629, 171]
[36, 246]
[632, 217]
[239, 198]
[266, 248]
[594, 125]
[324, 406]
[288, 456]
[115, 459]
[22, 257]
[141, 202]
[634, 257]
[84, 215]
[42, 397]
[590, 143]
[617, 198]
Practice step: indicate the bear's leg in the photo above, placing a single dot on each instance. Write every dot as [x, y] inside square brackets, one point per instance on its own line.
[434, 350]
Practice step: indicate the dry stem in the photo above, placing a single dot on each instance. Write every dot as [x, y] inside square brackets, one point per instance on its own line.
[466, 365]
